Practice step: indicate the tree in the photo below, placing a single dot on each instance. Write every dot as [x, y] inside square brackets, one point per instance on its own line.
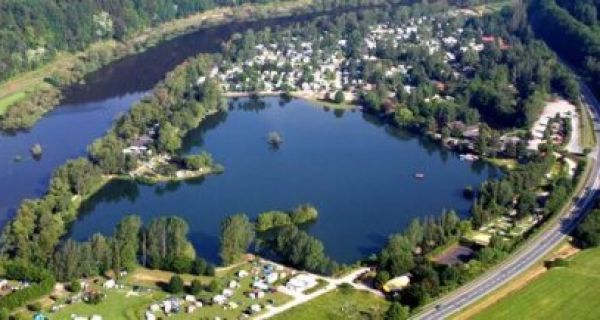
[237, 232]
[74, 285]
[126, 238]
[166, 244]
[396, 311]
[339, 97]
[169, 139]
[175, 285]
[397, 257]
[588, 232]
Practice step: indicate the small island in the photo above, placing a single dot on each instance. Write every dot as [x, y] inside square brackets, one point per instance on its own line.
[275, 139]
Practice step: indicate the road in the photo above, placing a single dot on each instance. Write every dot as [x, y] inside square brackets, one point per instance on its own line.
[532, 251]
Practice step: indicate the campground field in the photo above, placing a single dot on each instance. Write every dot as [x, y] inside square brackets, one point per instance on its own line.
[338, 304]
[571, 292]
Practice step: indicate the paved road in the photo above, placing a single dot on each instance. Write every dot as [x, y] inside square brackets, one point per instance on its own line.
[532, 252]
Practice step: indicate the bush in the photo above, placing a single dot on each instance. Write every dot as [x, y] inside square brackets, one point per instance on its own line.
[304, 213]
[35, 306]
[201, 267]
[556, 263]
[19, 298]
[195, 287]
[214, 286]
[339, 97]
[175, 285]
[182, 265]
[74, 286]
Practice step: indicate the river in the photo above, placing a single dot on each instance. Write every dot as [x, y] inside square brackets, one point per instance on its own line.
[358, 172]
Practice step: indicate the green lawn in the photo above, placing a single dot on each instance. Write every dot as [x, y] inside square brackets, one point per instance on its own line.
[561, 293]
[9, 100]
[338, 304]
[116, 306]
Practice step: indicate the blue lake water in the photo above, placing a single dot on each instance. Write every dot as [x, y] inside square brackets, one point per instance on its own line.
[358, 172]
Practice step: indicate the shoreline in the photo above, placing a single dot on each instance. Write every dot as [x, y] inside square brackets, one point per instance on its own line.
[301, 95]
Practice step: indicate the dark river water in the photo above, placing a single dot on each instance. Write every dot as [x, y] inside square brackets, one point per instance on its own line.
[359, 174]
[89, 109]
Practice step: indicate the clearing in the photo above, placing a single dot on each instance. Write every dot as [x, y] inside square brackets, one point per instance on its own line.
[338, 304]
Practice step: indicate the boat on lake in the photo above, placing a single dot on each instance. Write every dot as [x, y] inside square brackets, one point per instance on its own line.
[419, 175]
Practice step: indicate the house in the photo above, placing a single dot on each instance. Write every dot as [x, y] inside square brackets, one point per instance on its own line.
[471, 132]
[154, 308]
[301, 282]
[255, 308]
[190, 298]
[272, 277]
[260, 285]
[171, 305]
[227, 293]
[233, 284]
[219, 299]
[150, 316]
[397, 284]
[109, 284]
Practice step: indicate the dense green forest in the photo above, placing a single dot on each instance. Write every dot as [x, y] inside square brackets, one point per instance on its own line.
[32, 31]
[571, 28]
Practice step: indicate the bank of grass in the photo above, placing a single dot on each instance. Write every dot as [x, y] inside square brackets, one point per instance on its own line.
[9, 100]
[587, 137]
[505, 164]
[338, 304]
[570, 292]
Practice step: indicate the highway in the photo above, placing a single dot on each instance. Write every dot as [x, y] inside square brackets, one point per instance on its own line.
[533, 250]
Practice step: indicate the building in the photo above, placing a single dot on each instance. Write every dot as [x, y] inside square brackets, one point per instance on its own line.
[301, 283]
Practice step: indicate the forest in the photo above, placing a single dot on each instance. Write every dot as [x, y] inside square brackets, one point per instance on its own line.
[571, 28]
[33, 31]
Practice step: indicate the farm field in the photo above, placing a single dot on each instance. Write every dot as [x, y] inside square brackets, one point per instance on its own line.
[561, 293]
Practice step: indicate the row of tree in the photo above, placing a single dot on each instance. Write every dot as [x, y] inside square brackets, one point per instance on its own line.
[161, 244]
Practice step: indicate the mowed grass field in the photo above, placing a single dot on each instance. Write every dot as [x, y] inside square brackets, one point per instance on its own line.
[338, 304]
[561, 293]
[10, 100]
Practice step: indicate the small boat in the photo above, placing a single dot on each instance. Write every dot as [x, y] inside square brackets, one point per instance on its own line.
[419, 175]
[468, 157]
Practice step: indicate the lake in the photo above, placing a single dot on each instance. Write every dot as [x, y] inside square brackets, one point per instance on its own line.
[88, 109]
[358, 172]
